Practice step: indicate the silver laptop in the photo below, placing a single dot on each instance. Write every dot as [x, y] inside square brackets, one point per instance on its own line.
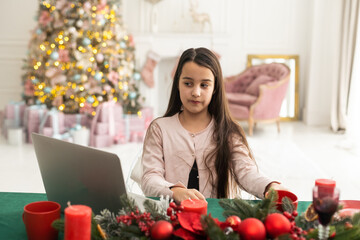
[79, 174]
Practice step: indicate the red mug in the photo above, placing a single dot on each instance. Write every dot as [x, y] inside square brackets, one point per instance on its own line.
[290, 195]
[38, 217]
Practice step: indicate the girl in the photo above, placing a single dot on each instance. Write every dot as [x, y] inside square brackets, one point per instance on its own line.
[196, 150]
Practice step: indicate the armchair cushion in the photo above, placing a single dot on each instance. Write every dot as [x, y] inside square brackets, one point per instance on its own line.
[253, 88]
[241, 98]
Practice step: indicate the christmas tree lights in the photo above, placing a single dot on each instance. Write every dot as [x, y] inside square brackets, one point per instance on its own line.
[79, 56]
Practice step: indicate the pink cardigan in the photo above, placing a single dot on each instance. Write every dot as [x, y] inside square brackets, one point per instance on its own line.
[169, 153]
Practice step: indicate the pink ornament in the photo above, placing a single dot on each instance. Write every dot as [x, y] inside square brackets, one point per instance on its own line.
[87, 6]
[64, 55]
[45, 18]
[113, 77]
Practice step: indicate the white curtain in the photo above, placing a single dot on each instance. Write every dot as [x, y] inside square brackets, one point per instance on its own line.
[353, 113]
[340, 104]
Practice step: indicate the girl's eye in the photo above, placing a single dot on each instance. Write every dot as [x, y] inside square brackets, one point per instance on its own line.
[187, 84]
[204, 85]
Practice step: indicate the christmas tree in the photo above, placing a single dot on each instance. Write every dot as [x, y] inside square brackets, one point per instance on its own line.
[79, 56]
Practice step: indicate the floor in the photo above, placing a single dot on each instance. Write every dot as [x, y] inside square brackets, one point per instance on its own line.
[296, 156]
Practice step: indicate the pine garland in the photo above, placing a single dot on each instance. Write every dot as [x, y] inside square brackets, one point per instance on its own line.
[116, 227]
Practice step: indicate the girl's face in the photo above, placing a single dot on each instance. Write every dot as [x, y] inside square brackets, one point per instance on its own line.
[196, 87]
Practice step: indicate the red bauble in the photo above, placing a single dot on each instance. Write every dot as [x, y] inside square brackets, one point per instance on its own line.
[161, 230]
[233, 222]
[252, 229]
[277, 224]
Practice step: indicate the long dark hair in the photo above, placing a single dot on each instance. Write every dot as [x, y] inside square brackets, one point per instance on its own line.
[225, 127]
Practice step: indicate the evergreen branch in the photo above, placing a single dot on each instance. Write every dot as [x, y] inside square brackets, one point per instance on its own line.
[287, 205]
[156, 212]
[264, 208]
[356, 219]
[214, 232]
[128, 203]
[59, 224]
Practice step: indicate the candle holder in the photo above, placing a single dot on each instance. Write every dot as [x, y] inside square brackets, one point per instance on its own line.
[326, 201]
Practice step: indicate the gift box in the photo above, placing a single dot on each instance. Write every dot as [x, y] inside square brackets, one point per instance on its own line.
[102, 141]
[32, 119]
[15, 111]
[55, 120]
[15, 136]
[81, 136]
[103, 128]
[137, 136]
[110, 110]
[71, 120]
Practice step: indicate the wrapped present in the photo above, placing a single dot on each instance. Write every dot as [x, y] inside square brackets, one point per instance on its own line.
[102, 128]
[16, 136]
[148, 115]
[81, 136]
[137, 136]
[55, 120]
[15, 111]
[103, 124]
[71, 120]
[49, 132]
[110, 110]
[102, 141]
[32, 119]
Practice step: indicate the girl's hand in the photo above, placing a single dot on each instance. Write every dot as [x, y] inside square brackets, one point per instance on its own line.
[275, 186]
[180, 194]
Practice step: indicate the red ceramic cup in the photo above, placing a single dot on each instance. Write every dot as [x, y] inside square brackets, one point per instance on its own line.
[38, 217]
[290, 195]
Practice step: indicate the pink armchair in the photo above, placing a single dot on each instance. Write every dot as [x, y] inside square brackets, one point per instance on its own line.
[257, 93]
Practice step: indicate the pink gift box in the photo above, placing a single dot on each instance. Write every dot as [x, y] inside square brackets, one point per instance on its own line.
[71, 120]
[102, 141]
[47, 131]
[15, 111]
[137, 136]
[102, 128]
[105, 112]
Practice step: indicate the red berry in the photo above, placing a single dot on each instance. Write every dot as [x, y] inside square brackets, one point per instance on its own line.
[172, 205]
[295, 213]
[169, 211]
[287, 215]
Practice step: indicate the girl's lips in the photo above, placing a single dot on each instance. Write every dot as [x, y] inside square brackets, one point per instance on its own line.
[195, 102]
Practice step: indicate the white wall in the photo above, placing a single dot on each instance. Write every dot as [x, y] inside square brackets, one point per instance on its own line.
[240, 27]
[16, 20]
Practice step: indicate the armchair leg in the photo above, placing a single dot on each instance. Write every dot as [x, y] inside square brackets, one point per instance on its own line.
[278, 125]
[251, 125]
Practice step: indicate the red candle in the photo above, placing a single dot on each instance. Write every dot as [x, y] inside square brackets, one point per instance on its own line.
[77, 222]
[325, 185]
[321, 182]
[195, 205]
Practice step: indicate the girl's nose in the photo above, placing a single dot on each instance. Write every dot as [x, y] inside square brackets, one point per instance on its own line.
[196, 92]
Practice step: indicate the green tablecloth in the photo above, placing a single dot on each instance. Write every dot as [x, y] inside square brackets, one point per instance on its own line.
[12, 205]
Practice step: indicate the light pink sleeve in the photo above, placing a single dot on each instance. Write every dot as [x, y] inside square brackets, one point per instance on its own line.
[153, 182]
[251, 180]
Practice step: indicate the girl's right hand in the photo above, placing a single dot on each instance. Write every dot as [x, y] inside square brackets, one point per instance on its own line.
[180, 194]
